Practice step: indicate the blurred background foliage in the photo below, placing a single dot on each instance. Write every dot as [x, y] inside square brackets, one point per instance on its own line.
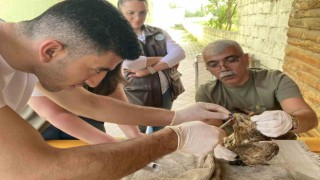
[219, 14]
[224, 14]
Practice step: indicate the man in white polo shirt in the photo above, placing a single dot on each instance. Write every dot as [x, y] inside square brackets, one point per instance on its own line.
[69, 44]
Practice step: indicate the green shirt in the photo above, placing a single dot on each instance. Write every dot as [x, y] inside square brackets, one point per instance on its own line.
[264, 91]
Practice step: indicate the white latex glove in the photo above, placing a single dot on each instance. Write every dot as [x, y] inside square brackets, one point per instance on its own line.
[273, 123]
[221, 152]
[200, 111]
[197, 137]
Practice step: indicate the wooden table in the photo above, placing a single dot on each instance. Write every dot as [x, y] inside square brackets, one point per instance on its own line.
[312, 142]
[66, 143]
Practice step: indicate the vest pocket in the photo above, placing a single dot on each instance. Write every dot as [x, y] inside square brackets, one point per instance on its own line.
[175, 82]
[175, 75]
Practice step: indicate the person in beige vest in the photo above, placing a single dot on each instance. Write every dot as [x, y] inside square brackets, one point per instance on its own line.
[153, 78]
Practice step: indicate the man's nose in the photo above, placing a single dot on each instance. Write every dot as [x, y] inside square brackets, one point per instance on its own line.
[138, 16]
[93, 81]
[222, 64]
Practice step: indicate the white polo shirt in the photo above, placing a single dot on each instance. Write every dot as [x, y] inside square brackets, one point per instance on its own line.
[15, 86]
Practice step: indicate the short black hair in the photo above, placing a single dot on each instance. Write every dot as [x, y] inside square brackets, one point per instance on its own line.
[94, 26]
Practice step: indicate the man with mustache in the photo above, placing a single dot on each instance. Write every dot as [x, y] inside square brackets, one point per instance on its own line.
[271, 94]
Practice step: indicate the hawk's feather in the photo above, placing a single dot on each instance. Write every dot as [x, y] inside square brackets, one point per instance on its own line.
[251, 146]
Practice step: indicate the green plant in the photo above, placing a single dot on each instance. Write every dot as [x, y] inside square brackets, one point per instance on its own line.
[178, 27]
[224, 14]
[198, 13]
[172, 5]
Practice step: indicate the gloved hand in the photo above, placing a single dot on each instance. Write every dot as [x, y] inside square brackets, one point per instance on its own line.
[197, 137]
[200, 111]
[221, 152]
[273, 123]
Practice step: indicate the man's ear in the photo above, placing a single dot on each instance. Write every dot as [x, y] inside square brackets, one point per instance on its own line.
[49, 49]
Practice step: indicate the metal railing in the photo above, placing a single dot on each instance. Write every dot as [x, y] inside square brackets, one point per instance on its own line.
[196, 69]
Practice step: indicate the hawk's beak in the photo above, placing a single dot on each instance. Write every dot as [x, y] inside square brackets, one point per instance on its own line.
[229, 119]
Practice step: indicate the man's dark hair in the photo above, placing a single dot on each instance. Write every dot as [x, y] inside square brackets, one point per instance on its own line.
[86, 26]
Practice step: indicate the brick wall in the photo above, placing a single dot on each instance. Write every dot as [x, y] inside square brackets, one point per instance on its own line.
[262, 30]
[302, 54]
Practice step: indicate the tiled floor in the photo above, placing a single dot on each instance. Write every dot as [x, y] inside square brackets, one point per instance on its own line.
[187, 69]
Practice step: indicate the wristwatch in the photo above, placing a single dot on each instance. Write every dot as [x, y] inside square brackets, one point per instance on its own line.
[295, 123]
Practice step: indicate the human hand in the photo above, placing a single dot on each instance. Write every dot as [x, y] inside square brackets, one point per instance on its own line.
[197, 137]
[200, 111]
[139, 73]
[273, 123]
[221, 152]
